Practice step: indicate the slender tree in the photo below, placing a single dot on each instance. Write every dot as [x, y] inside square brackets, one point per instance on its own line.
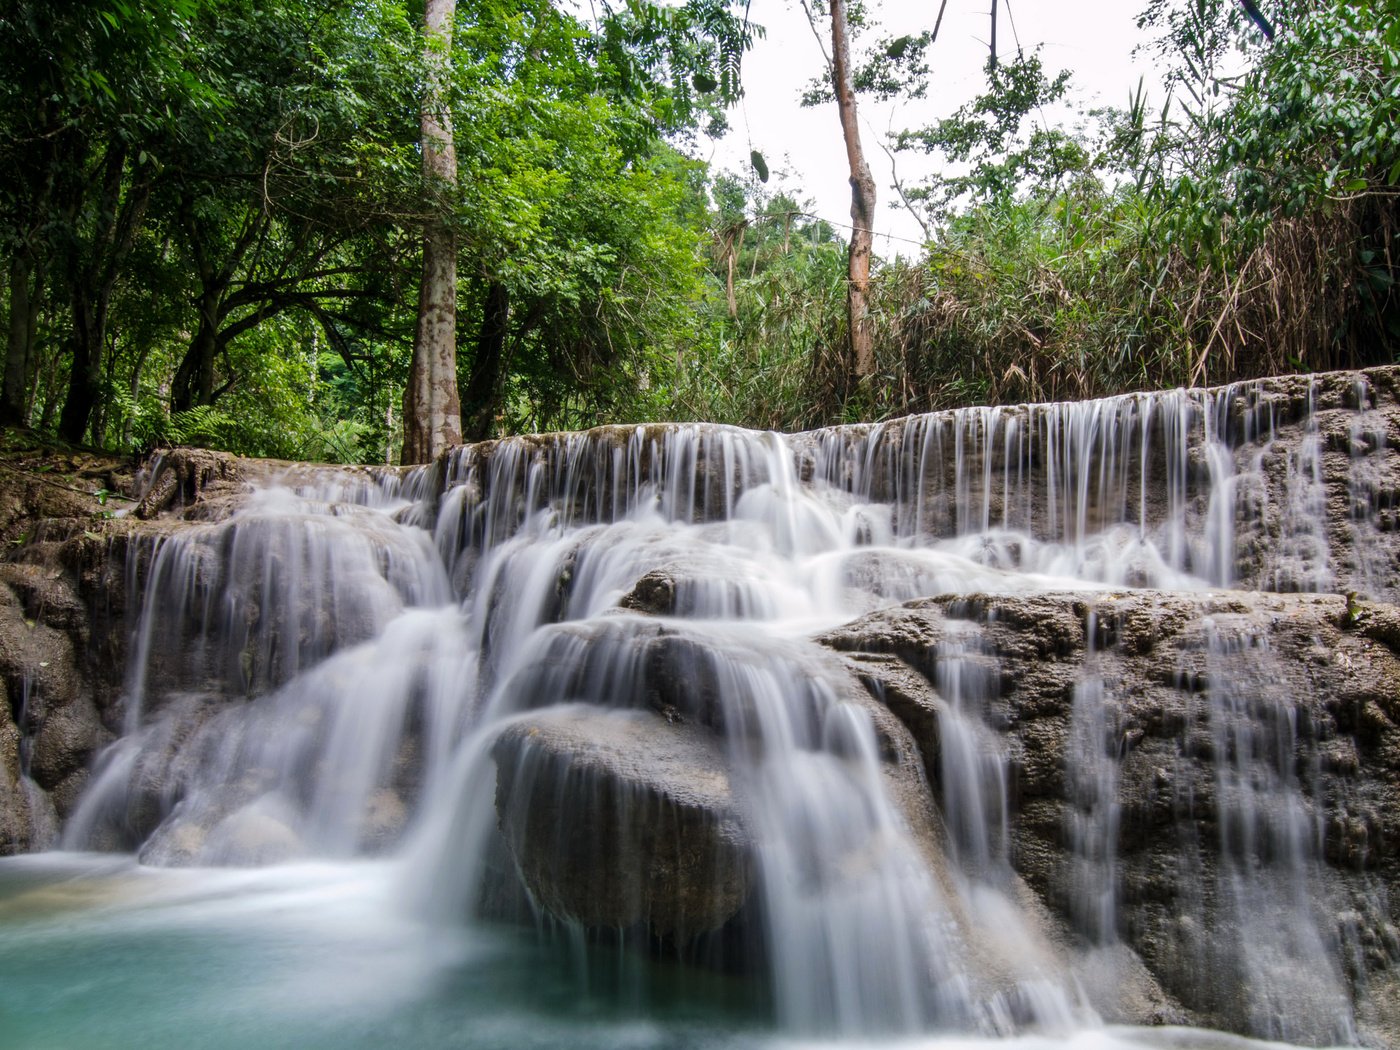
[431, 409]
[20, 341]
[862, 353]
[992, 61]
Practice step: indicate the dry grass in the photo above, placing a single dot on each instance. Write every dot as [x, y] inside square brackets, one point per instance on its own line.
[971, 327]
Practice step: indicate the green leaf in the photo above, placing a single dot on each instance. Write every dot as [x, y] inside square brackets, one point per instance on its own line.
[759, 165]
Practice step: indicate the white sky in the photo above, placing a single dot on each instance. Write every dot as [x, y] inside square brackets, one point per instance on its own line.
[1094, 39]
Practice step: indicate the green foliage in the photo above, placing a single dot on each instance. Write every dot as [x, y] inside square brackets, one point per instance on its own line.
[1280, 178]
[1318, 119]
[988, 154]
[230, 256]
[202, 425]
[1255, 230]
[677, 64]
[574, 212]
[775, 303]
[233, 255]
[884, 68]
[596, 324]
[1248, 227]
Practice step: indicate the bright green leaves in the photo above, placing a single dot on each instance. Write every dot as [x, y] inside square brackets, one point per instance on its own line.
[678, 65]
[231, 190]
[987, 141]
[572, 206]
[883, 68]
[1321, 108]
[1311, 119]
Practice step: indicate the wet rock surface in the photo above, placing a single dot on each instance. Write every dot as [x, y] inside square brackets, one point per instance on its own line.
[50, 723]
[75, 545]
[623, 819]
[633, 815]
[1181, 767]
[1207, 697]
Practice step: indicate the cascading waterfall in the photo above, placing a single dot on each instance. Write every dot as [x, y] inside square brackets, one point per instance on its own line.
[1370, 491]
[1269, 848]
[856, 930]
[420, 666]
[1094, 742]
[321, 611]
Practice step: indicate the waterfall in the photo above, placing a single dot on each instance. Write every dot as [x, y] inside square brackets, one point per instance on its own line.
[1270, 844]
[580, 680]
[1094, 743]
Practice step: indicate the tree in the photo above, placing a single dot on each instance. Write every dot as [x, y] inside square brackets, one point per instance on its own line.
[88, 111]
[578, 253]
[276, 212]
[431, 409]
[990, 146]
[861, 348]
[224, 258]
[892, 66]
[765, 362]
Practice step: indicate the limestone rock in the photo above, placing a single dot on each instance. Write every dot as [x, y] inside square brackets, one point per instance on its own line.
[15, 827]
[619, 819]
[1299, 667]
[179, 478]
[54, 714]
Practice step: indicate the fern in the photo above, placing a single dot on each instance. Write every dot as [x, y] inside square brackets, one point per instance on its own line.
[200, 425]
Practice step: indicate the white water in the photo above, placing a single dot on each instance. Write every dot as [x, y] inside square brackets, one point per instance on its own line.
[1095, 741]
[1270, 846]
[325, 674]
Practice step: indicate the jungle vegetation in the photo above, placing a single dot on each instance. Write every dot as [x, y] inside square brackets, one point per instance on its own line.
[217, 219]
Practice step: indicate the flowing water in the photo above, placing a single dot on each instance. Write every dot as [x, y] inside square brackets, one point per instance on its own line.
[332, 764]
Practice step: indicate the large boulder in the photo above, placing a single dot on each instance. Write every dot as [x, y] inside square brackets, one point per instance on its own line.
[622, 818]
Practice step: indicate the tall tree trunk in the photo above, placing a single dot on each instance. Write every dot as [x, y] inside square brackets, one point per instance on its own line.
[18, 350]
[861, 349]
[992, 62]
[484, 384]
[85, 378]
[194, 379]
[729, 254]
[431, 411]
[92, 276]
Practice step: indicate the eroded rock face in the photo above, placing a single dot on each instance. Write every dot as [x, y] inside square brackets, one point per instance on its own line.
[16, 827]
[51, 725]
[1184, 770]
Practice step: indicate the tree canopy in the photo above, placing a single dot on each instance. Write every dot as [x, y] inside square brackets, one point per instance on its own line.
[212, 212]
